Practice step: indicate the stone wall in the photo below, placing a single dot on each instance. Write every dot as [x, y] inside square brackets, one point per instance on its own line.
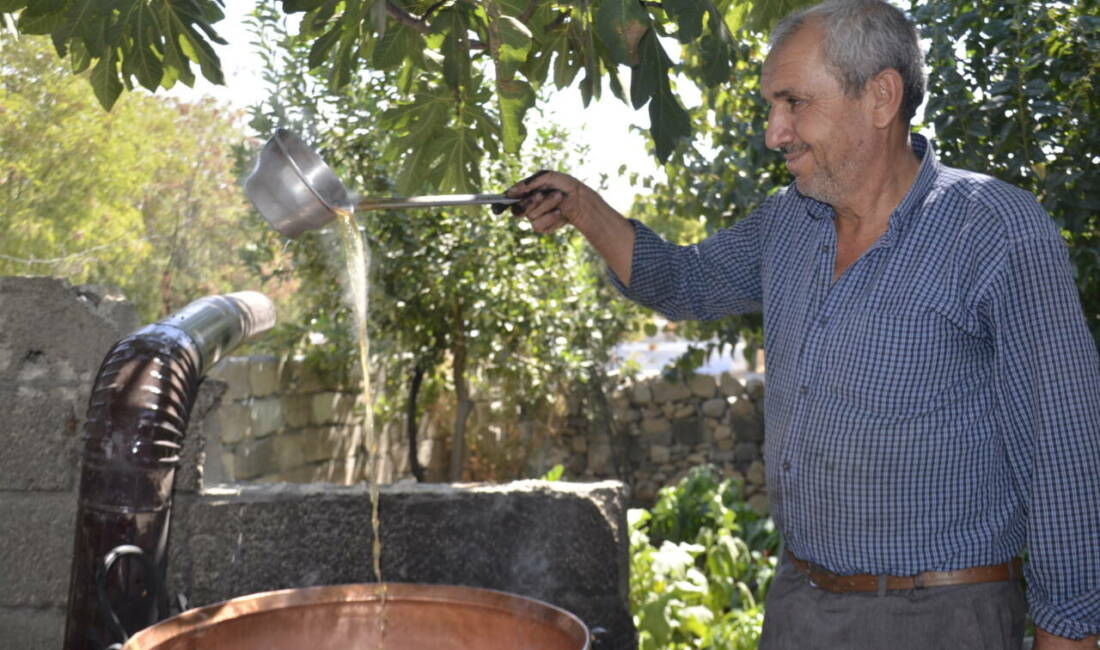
[658, 430]
[279, 421]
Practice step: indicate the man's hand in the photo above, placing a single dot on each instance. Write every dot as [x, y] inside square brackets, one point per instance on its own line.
[1047, 641]
[550, 200]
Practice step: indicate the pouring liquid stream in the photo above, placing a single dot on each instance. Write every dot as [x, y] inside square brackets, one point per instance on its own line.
[357, 260]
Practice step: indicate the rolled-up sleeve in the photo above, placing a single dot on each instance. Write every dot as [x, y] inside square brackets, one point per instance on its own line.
[1048, 376]
[714, 278]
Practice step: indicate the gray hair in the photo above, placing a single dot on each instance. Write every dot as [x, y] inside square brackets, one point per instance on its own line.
[863, 38]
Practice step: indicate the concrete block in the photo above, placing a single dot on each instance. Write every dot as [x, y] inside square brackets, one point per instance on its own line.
[267, 416]
[263, 375]
[45, 322]
[234, 371]
[36, 542]
[345, 406]
[32, 629]
[234, 422]
[40, 433]
[288, 452]
[297, 376]
[326, 443]
[255, 458]
[642, 394]
[110, 304]
[297, 410]
[323, 408]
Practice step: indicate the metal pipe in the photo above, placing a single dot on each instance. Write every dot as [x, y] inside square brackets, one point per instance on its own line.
[137, 418]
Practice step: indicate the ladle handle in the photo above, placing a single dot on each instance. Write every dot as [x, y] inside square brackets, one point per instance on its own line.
[438, 201]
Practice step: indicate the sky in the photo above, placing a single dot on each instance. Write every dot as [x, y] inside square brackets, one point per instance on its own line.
[604, 125]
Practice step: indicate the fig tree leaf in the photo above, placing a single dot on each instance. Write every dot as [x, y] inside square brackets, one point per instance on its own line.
[515, 98]
[620, 24]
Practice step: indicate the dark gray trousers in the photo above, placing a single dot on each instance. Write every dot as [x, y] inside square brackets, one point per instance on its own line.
[799, 616]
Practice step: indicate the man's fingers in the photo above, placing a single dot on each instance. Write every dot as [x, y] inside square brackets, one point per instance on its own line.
[548, 222]
[535, 175]
[543, 180]
[544, 202]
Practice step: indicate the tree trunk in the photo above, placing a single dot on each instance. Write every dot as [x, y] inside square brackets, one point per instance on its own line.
[410, 422]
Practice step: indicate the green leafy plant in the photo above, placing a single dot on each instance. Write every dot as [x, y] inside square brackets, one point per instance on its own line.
[701, 563]
[554, 473]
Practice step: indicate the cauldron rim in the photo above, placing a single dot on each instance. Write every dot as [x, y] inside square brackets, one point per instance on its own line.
[206, 616]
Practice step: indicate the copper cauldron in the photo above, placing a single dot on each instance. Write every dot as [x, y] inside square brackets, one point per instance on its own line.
[345, 617]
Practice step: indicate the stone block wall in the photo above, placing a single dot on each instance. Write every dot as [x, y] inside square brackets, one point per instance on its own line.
[279, 421]
[659, 430]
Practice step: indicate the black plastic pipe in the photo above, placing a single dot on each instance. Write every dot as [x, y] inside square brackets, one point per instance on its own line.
[137, 418]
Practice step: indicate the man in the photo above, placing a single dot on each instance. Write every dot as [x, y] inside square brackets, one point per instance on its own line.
[933, 401]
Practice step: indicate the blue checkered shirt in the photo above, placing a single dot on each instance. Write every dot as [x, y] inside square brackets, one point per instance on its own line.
[935, 408]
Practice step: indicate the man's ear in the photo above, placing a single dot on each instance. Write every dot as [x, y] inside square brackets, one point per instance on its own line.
[886, 90]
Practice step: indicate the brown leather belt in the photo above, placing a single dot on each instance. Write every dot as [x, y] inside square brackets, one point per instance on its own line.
[838, 584]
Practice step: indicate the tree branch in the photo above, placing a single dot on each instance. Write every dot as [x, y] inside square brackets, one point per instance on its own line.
[405, 18]
[409, 20]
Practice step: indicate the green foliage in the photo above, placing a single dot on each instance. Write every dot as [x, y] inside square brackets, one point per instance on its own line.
[144, 198]
[487, 58]
[554, 473]
[151, 42]
[701, 563]
[1014, 92]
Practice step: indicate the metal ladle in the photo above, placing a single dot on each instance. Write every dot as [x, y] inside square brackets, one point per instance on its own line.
[296, 191]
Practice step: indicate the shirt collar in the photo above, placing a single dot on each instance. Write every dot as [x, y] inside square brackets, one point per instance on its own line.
[922, 185]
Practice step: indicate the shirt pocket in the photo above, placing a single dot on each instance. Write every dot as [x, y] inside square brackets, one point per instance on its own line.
[902, 362]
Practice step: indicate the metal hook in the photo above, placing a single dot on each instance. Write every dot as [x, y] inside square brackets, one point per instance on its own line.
[109, 560]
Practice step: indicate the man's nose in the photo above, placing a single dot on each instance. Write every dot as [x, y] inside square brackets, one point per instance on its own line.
[778, 132]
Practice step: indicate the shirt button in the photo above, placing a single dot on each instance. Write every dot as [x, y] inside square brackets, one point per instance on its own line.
[825, 249]
[804, 390]
[786, 466]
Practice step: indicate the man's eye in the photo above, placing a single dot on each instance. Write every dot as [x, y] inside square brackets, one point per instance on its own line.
[795, 102]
